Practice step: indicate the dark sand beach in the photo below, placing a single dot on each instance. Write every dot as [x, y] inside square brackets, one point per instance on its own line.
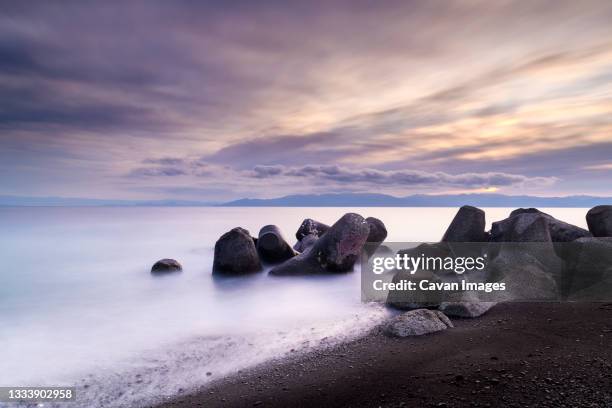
[518, 354]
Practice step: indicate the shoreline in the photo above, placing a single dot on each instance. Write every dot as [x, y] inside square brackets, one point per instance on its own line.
[544, 354]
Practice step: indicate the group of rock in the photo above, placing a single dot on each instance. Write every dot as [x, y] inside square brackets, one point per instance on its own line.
[551, 272]
[561, 262]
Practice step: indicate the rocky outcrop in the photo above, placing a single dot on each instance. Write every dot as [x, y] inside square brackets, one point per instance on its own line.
[235, 253]
[516, 228]
[599, 220]
[271, 245]
[417, 323]
[467, 226]
[166, 265]
[311, 227]
[335, 251]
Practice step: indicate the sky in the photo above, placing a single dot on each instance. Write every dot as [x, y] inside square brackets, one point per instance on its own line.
[223, 100]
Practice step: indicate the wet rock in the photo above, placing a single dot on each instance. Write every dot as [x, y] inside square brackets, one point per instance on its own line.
[166, 266]
[335, 251]
[236, 254]
[311, 227]
[305, 243]
[378, 231]
[417, 323]
[467, 226]
[271, 245]
[599, 220]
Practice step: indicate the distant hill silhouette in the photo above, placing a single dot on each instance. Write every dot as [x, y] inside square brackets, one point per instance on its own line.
[326, 200]
[420, 200]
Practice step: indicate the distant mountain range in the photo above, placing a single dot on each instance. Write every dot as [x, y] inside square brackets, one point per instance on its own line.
[327, 200]
[420, 200]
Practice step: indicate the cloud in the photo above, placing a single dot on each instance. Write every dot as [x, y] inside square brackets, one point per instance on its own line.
[399, 178]
[166, 161]
[157, 172]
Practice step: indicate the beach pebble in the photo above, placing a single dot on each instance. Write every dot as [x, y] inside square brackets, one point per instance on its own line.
[599, 220]
[166, 265]
[418, 322]
[235, 253]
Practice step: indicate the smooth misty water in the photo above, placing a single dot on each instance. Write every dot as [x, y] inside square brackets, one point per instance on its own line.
[78, 305]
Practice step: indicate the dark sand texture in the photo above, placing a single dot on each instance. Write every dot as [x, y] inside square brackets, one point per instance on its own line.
[521, 354]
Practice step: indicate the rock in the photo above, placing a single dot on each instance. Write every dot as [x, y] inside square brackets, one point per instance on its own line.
[418, 322]
[466, 309]
[166, 266]
[235, 253]
[589, 262]
[513, 228]
[305, 243]
[599, 220]
[271, 245]
[527, 211]
[414, 299]
[465, 304]
[311, 227]
[526, 276]
[378, 233]
[335, 251]
[467, 226]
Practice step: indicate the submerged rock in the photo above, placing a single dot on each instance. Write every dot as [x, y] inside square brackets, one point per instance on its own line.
[336, 251]
[235, 253]
[311, 227]
[418, 322]
[467, 226]
[166, 265]
[599, 220]
[272, 246]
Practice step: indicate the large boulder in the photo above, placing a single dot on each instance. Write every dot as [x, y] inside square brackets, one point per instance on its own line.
[272, 246]
[599, 220]
[305, 243]
[589, 266]
[516, 228]
[335, 251]
[235, 253]
[417, 298]
[166, 265]
[527, 273]
[418, 322]
[311, 227]
[467, 226]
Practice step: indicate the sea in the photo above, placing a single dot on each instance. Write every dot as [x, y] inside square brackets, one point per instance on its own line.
[79, 307]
